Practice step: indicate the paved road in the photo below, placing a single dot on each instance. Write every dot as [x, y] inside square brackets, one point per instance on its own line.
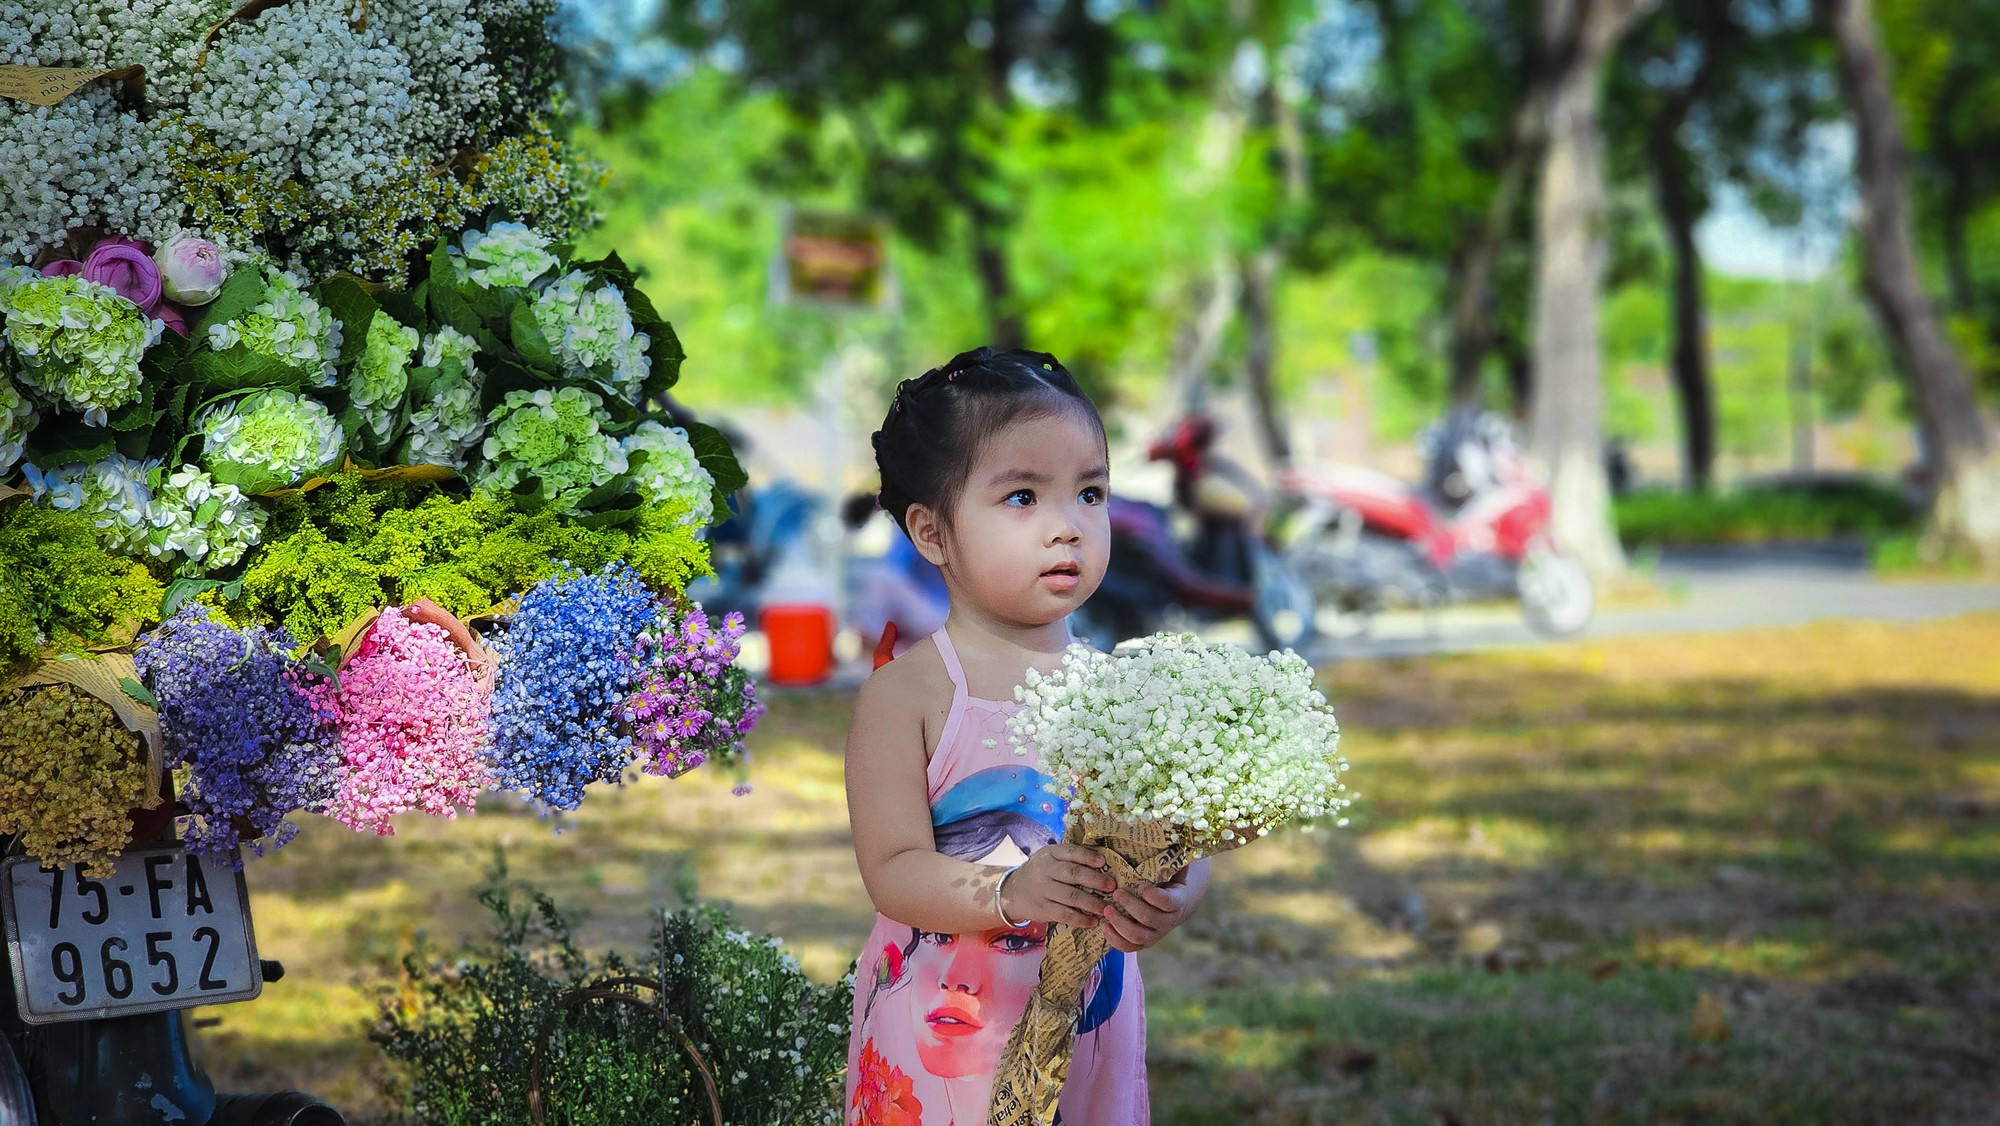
[1703, 589]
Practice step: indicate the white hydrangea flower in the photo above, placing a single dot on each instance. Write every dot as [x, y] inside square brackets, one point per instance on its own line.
[671, 474]
[444, 431]
[505, 254]
[1207, 739]
[592, 333]
[113, 493]
[17, 417]
[200, 522]
[287, 325]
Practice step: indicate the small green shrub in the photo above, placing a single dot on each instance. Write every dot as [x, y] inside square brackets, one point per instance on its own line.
[462, 1028]
[1764, 514]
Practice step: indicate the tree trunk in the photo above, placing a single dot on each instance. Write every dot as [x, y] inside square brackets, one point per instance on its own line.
[1260, 280]
[1472, 303]
[1199, 340]
[1566, 421]
[1260, 272]
[1004, 326]
[1692, 385]
[1958, 441]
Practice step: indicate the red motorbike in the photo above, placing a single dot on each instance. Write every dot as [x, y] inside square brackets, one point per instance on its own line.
[1477, 528]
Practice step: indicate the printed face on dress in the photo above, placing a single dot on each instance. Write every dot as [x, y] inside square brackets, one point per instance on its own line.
[1030, 536]
[970, 989]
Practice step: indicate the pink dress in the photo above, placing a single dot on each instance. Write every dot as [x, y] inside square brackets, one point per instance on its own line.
[932, 1012]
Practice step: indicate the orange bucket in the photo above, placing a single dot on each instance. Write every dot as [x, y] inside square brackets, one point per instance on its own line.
[800, 636]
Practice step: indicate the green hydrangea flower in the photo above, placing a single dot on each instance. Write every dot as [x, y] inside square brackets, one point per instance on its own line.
[267, 440]
[286, 325]
[671, 475]
[505, 254]
[592, 333]
[77, 341]
[444, 431]
[17, 417]
[554, 437]
[381, 377]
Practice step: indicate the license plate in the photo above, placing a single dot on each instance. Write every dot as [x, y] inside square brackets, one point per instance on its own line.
[168, 930]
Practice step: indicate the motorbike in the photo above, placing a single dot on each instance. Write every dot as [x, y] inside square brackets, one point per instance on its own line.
[1476, 528]
[100, 1038]
[1199, 559]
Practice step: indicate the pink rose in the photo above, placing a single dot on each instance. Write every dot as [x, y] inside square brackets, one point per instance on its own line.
[191, 269]
[122, 265]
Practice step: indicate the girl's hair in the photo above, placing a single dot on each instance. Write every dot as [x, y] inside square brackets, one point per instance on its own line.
[970, 838]
[933, 431]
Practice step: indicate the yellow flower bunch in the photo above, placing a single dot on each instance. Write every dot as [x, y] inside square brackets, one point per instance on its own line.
[69, 773]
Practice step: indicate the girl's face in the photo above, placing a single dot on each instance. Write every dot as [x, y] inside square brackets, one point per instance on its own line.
[1030, 536]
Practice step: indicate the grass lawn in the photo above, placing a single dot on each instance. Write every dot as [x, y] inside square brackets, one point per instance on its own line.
[1748, 877]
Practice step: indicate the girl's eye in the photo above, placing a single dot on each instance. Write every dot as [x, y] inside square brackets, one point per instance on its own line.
[1094, 495]
[1020, 498]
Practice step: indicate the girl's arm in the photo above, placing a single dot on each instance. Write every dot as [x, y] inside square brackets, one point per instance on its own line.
[888, 806]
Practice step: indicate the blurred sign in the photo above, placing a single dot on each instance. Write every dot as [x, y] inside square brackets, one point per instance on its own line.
[833, 258]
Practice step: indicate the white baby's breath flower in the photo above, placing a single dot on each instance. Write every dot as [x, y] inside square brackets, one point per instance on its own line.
[1207, 739]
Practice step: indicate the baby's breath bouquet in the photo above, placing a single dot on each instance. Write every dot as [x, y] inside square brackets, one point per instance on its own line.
[1171, 750]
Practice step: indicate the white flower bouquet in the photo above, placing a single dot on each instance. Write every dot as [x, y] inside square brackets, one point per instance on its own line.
[1168, 751]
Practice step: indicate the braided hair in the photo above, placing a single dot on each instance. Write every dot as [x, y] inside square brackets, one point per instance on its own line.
[931, 436]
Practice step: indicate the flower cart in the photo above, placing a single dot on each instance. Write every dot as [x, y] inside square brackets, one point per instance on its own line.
[333, 481]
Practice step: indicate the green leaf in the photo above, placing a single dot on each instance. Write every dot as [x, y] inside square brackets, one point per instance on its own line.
[140, 413]
[666, 354]
[64, 440]
[529, 340]
[452, 309]
[407, 307]
[244, 288]
[716, 456]
[181, 590]
[139, 692]
[346, 300]
[623, 510]
[240, 369]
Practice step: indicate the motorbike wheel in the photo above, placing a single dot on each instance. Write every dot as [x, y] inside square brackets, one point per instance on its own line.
[1285, 610]
[1557, 598]
[17, 1102]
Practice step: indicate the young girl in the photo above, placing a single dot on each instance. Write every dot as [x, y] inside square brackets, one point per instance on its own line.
[995, 467]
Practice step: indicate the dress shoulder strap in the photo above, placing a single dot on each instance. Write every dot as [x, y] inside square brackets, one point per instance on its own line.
[951, 666]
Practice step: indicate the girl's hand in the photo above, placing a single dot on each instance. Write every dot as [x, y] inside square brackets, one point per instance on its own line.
[1062, 883]
[1137, 918]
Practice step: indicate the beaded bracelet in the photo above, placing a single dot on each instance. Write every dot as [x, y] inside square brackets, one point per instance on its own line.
[1000, 908]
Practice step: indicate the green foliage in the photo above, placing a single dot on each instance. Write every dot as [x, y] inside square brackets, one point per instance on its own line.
[1763, 514]
[464, 1027]
[338, 551]
[59, 588]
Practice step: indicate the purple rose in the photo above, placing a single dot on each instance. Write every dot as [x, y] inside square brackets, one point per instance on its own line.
[191, 269]
[125, 267]
[62, 268]
[172, 317]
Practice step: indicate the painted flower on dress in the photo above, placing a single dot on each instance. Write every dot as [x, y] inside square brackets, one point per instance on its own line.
[883, 1095]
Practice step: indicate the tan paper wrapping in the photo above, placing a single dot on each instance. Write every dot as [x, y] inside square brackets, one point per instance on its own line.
[1030, 1080]
[102, 676]
[49, 85]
